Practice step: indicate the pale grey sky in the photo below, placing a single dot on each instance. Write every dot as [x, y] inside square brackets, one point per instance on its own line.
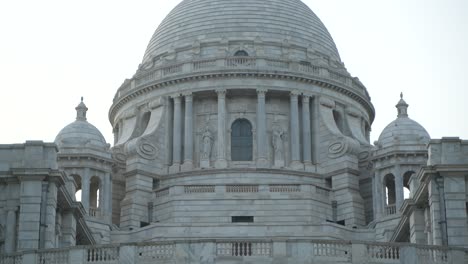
[52, 52]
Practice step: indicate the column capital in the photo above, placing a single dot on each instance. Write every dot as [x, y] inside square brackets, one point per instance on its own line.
[295, 93]
[221, 92]
[175, 96]
[262, 91]
[305, 99]
[187, 95]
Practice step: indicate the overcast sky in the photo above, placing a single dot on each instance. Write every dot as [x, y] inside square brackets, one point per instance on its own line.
[52, 52]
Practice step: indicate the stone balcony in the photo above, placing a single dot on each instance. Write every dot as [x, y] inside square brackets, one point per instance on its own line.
[247, 251]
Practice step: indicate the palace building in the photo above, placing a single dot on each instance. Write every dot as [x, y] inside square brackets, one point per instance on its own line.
[241, 138]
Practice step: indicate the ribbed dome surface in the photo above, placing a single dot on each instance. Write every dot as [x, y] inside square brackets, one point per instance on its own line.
[403, 131]
[80, 133]
[206, 20]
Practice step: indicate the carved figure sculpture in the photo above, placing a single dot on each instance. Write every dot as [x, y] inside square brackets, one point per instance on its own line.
[207, 140]
[278, 147]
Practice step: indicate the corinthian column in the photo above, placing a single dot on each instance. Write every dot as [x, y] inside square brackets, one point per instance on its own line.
[221, 151]
[177, 136]
[188, 135]
[262, 160]
[294, 112]
[306, 145]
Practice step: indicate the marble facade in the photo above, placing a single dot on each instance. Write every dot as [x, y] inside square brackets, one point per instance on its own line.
[237, 143]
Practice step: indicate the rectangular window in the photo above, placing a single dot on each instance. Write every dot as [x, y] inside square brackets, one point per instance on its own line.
[242, 219]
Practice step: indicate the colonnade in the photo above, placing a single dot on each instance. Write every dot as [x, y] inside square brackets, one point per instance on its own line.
[186, 162]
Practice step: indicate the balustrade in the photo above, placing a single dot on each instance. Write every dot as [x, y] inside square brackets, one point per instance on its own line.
[239, 62]
[331, 249]
[204, 64]
[243, 249]
[321, 251]
[430, 255]
[199, 189]
[52, 257]
[94, 212]
[12, 259]
[390, 209]
[242, 188]
[285, 188]
[102, 255]
[384, 253]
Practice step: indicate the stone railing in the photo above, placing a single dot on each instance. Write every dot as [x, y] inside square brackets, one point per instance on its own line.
[242, 188]
[390, 209]
[257, 63]
[244, 251]
[273, 189]
[94, 212]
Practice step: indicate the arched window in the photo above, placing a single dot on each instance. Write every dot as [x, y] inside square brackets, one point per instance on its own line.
[406, 179]
[241, 140]
[241, 53]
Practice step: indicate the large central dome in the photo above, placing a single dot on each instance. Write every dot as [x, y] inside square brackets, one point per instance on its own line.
[272, 20]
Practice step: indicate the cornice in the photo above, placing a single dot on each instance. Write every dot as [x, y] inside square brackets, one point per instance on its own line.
[242, 73]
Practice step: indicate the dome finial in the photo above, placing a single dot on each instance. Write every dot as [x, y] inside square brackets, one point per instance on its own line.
[81, 110]
[402, 107]
[401, 96]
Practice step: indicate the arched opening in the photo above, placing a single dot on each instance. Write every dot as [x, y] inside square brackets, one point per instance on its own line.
[390, 194]
[77, 179]
[94, 197]
[406, 179]
[241, 140]
[241, 53]
[144, 123]
[338, 120]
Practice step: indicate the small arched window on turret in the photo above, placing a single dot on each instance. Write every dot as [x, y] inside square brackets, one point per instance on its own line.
[241, 140]
[241, 53]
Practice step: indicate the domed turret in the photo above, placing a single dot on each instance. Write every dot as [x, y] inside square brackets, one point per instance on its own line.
[81, 133]
[404, 130]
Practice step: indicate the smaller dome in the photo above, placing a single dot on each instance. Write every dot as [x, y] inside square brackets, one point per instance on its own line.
[80, 133]
[404, 130]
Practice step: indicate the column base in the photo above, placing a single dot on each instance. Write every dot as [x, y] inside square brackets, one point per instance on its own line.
[279, 164]
[221, 164]
[175, 168]
[262, 163]
[187, 166]
[297, 165]
[205, 164]
[309, 167]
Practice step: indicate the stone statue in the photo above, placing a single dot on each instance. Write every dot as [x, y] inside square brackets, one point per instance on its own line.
[278, 147]
[207, 140]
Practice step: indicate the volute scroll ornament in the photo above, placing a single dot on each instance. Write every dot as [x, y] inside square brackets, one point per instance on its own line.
[342, 146]
[147, 150]
[118, 154]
